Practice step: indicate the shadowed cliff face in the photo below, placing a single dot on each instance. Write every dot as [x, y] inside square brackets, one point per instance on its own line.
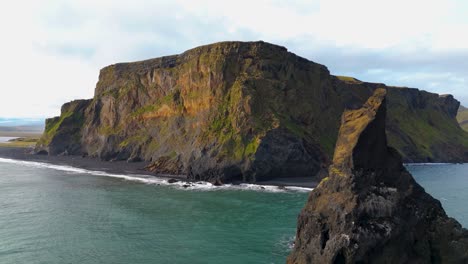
[63, 133]
[234, 111]
[369, 209]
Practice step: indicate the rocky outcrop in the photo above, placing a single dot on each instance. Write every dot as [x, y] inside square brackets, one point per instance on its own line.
[238, 111]
[62, 134]
[370, 209]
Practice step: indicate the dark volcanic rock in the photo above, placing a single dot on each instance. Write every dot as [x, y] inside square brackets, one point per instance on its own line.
[240, 111]
[370, 209]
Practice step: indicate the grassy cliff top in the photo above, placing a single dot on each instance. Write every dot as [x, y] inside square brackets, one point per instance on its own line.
[349, 79]
[245, 50]
[251, 48]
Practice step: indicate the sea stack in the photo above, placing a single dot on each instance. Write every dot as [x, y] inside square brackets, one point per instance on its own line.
[370, 209]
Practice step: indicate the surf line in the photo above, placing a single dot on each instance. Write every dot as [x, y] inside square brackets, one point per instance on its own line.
[184, 185]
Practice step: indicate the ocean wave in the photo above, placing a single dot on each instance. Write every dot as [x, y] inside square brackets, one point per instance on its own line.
[183, 185]
[427, 164]
[285, 243]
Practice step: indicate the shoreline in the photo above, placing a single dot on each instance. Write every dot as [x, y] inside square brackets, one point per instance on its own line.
[128, 168]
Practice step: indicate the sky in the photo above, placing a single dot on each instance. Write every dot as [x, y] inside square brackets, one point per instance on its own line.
[51, 51]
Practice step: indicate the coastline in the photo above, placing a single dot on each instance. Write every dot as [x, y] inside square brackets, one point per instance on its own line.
[127, 168]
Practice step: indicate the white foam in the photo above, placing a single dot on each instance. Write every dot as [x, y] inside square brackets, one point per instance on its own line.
[184, 185]
[427, 164]
[286, 243]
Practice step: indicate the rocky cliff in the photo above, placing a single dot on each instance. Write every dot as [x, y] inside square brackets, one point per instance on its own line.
[239, 111]
[369, 209]
[462, 117]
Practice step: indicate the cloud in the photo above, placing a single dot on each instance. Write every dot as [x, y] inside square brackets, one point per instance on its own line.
[51, 51]
[435, 71]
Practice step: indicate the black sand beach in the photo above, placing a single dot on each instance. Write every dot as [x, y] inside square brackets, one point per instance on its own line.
[121, 167]
[118, 167]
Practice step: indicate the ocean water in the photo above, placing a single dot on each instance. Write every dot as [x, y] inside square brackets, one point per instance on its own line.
[66, 215]
[56, 214]
[449, 184]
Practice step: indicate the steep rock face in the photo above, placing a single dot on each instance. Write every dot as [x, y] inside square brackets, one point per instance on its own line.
[233, 111]
[462, 117]
[369, 209]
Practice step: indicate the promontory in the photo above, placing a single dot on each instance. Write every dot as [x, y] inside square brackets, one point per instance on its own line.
[243, 111]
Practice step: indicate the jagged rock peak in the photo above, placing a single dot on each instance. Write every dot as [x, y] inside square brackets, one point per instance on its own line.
[362, 132]
[369, 209]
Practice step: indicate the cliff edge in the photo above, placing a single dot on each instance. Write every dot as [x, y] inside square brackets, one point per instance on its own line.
[369, 209]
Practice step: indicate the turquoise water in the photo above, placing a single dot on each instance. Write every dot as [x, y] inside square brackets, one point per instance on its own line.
[57, 216]
[51, 216]
[449, 184]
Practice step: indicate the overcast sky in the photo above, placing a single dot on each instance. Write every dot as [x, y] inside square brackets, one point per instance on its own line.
[51, 51]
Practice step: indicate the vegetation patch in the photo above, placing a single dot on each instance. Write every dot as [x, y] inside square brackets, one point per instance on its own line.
[229, 130]
[167, 100]
[348, 79]
[52, 125]
[424, 127]
[108, 130]
[462, 117]
[324, 180]
[23, 142]
[134, 140]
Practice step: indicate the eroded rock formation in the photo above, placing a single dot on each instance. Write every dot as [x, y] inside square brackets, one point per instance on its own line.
[370, 209]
